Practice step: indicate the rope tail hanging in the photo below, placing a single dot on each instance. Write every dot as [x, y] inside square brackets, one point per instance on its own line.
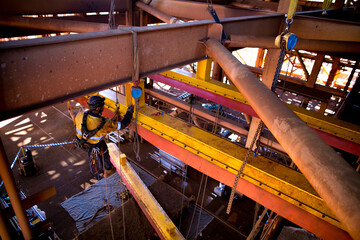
[258, 130]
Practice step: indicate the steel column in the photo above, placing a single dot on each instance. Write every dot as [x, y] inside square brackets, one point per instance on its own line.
[4, 231]
[335, 181]
[13, 192]
[19, 7]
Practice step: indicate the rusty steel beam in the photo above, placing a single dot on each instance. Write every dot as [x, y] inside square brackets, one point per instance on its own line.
[54, 24]
[307, 27]
[18, 7]
[335, 181]
[4, 229]
[13, 192]
[65, 67]
[301, 44]
[257, 5]
[199, 11]
[160, 15]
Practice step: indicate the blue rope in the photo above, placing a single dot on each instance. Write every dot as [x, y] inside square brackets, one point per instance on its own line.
[35, 146]
[47, 145]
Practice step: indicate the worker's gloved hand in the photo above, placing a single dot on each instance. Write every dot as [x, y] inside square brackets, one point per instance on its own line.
[127, 117]
[130, 109]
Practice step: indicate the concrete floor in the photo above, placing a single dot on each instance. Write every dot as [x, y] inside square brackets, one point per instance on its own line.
[68, 171]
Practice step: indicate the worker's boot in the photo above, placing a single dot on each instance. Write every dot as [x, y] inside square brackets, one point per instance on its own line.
[108, 173]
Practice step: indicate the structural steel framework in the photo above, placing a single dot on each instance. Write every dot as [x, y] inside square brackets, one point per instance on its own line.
[66, 67]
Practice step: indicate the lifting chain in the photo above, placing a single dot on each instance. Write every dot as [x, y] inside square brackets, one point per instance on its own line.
[286, 42]
[258, 130]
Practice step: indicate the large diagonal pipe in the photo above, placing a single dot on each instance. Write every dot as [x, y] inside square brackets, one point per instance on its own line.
[335, 180]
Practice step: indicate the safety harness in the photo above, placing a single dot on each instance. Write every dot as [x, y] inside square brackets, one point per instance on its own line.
[86, 133]
[93, 151]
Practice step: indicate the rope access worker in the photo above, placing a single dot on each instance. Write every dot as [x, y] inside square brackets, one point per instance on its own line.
[91, 127]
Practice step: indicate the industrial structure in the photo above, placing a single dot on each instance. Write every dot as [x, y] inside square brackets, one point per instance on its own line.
[293, 114]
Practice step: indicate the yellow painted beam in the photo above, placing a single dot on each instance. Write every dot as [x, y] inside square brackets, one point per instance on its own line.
[203, 69]
[129, 99]
[269, 175]
[315, 120]
[152, 209]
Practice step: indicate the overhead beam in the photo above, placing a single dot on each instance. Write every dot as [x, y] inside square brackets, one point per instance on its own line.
[65, 67]
[19, 7]
[301, 44]
[337, 183]
[307, 27]
[256, 5]
[199, 11]
[54, 24]
[156, 215]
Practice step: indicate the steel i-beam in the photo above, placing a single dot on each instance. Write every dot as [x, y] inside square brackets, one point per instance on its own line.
[335, 181]
[240, 41]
